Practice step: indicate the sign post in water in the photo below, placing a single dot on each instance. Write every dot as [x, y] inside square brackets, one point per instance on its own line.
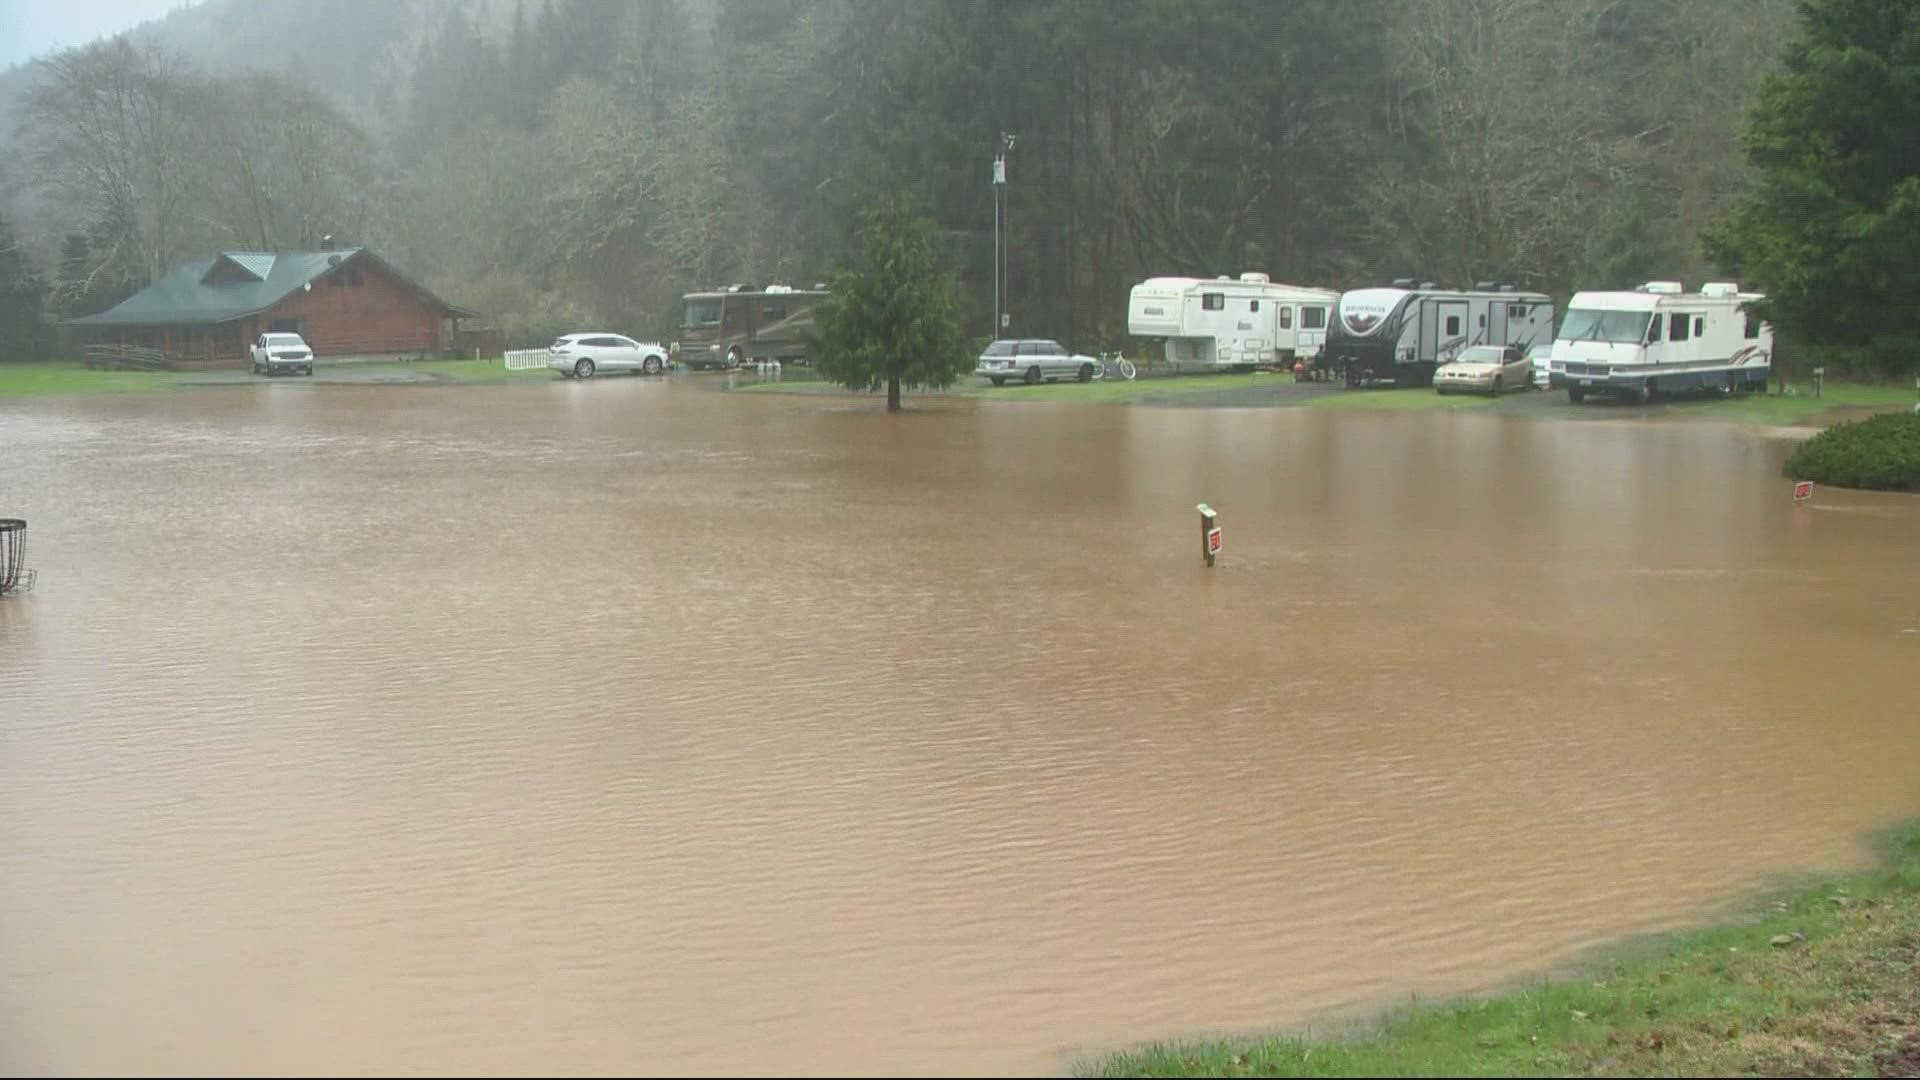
[1209, 533]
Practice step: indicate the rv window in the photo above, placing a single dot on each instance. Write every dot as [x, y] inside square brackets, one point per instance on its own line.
[1213, 301]
[1286, 318]
[1453, 325]
[1253, 305]
[1753, 326]
[1516, 311]
[1591, 324]
[701, 313]
[1653, 332]
[1699, 326]
[1313, 318]
[772, 312]
[1677, 327]
[1483, 322]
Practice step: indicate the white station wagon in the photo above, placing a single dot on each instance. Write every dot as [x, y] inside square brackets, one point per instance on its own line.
[1032, 361]
[579, 356]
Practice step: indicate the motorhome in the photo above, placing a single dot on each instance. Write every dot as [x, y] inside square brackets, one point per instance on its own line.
[1660, 339]
[742, 324]
[1404, 332]
[1225, 322]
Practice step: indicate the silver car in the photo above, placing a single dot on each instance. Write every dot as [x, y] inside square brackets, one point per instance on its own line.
[579, 356]
[1032, 361]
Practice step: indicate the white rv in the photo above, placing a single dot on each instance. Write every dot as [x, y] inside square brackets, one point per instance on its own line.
[1657, 339]
[1229, 323]
[1403, 333]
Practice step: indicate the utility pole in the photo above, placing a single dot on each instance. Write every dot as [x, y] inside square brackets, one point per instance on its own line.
[1001, 318]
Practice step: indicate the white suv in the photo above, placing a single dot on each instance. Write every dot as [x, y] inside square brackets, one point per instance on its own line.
[578, 356]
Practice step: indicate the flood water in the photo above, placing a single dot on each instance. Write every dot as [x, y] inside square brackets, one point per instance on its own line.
[631, 727]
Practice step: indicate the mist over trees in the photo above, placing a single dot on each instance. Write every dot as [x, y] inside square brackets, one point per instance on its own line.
[571, 162]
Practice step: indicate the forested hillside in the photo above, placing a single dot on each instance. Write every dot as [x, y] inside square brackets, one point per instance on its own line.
[556, 164]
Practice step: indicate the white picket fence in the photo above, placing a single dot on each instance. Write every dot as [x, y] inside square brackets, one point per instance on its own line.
[527, 359]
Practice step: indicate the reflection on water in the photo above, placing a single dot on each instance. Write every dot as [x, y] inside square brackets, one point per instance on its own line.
[625, 727]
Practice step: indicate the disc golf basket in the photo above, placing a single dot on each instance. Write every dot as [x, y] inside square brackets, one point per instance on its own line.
[14, 576]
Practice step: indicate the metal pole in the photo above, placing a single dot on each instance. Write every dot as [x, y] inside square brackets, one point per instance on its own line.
[996, 251]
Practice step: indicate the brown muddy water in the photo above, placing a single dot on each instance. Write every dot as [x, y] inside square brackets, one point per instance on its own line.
[625, 727]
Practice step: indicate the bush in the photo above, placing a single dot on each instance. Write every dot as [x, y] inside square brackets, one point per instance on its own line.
[1881, 453]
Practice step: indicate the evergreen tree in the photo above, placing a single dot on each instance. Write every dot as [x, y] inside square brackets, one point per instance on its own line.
[1831, 233]
[894, 317]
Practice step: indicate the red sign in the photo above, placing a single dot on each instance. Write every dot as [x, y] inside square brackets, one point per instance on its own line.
[1213, 541]
[1802, 490]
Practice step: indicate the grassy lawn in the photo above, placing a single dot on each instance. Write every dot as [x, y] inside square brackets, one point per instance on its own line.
[1107, 391]
[1407, 399]
[484, 370]
[1824, 983]
[1798, 405]
[70, 377]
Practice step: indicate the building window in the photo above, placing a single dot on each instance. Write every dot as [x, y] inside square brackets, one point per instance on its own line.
[1213, 301]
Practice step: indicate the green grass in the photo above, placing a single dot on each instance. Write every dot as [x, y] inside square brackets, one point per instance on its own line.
[70, 377]
[1798, 405]
[1103, 391]
[485, 370]
[1823, 983]
[1397, 399]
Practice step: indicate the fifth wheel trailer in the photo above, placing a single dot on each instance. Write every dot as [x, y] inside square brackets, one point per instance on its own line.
[1223, 322]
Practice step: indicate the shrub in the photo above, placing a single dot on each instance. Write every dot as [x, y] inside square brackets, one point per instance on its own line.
[1881, 453]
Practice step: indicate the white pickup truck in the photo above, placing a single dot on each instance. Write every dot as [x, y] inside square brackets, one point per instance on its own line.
[275, 353]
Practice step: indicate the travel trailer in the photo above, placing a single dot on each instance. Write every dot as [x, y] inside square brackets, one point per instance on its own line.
[742, 324]
[1657, 339]
[1403, 333]
[1252, 321]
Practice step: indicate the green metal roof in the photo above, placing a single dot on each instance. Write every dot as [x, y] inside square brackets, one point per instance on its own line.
[249, 282]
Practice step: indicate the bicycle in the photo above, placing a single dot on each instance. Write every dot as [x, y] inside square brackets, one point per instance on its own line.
[1115, 363]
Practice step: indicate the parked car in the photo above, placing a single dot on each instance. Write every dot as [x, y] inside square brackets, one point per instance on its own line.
[274, 353]
[1033, 361]
[1542, 357]
[579, 356]
[1488, 369]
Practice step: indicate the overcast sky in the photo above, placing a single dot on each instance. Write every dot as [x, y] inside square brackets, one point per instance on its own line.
[30, 28]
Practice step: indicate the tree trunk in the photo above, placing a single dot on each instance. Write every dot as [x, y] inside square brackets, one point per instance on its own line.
[893, 393]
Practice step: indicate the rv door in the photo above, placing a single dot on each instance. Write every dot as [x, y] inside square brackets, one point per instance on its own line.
[1450, 325]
